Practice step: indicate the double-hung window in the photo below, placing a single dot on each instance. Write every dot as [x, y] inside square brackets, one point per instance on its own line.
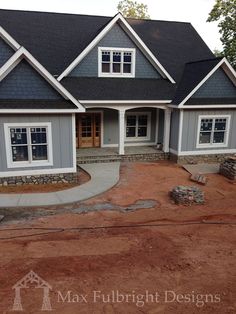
[116, 62]
[28, 144]
[138, 126]
[213, 131]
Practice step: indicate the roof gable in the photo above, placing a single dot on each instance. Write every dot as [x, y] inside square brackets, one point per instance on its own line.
[196, 74]
[219, 85]
[24, 82]
[52, 38]
[23, 54]
[116, 37]
[138, 41]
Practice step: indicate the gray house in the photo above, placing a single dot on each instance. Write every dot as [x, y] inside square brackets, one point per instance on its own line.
[71, 84]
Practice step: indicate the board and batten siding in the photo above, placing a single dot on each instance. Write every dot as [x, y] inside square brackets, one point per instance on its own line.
[62, 139]
[115, 38]
[190, 129]
[6, 52]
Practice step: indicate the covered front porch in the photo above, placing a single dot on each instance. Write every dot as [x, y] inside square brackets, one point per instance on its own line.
[123, 132]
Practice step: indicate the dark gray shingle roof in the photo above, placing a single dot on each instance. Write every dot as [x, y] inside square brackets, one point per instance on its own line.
[193, 74]
[36, 104]
[119, 88]
[56, 39]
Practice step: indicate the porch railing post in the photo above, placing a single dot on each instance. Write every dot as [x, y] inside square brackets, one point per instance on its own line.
[121, 132]
[166, 141]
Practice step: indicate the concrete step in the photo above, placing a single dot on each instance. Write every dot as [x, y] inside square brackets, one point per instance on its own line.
[97, 159]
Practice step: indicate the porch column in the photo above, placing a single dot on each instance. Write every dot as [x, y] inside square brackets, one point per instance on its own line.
[121, 142]
[166, 140]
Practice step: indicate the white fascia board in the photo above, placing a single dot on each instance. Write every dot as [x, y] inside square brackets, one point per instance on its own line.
[208, 106]
[125, 102]
[204, 106]
[232, 76]
[105, 30]
[23, 53]
[41, 111]
[9, 39]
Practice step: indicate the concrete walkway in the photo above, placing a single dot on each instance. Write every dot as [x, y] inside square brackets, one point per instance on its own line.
[103, 177]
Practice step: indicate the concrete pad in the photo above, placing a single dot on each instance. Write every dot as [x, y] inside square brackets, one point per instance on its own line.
[103, 177]
[202, 168]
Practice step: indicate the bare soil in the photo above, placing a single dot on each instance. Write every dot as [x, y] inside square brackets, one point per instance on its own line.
[83, 177]
[165, 255]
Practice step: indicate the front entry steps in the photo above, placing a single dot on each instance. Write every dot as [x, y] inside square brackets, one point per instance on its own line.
[96, 156]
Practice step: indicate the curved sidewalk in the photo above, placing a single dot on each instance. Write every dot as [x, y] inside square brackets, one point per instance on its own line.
[103, 177]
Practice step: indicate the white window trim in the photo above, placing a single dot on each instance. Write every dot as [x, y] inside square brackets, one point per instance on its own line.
[136, 138]
[209, 145]
[26, 164]
[120, 75]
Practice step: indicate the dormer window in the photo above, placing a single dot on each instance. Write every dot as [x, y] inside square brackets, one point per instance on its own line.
[116, 62]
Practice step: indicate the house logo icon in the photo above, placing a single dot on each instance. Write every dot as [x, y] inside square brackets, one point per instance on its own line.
[32, 279]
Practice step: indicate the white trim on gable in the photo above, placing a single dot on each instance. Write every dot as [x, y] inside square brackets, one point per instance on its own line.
[128, 29]
[226, 67]
[8, 39]
[23, 53]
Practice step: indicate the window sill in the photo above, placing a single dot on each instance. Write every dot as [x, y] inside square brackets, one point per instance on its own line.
[212, 145]
[117, 75]
[137, 139]
[23, 164]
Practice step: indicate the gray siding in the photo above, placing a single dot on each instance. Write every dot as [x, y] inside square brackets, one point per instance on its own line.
[110, 125]
[5, 52]
[218, 85]
[174, 130]
[116, 37]
[190, 128]
[23, 82]
[61, 139]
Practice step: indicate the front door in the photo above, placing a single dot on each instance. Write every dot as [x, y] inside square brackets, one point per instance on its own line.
[88, 130]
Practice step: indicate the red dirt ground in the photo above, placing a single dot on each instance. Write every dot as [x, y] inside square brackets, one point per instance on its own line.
[194, 263]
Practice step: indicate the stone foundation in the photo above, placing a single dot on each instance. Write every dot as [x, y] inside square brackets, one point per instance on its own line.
[40, 179]
[228, 168]
[126, 157]
[211, 158]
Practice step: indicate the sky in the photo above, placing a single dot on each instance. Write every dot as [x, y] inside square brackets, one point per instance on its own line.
[193, 11]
